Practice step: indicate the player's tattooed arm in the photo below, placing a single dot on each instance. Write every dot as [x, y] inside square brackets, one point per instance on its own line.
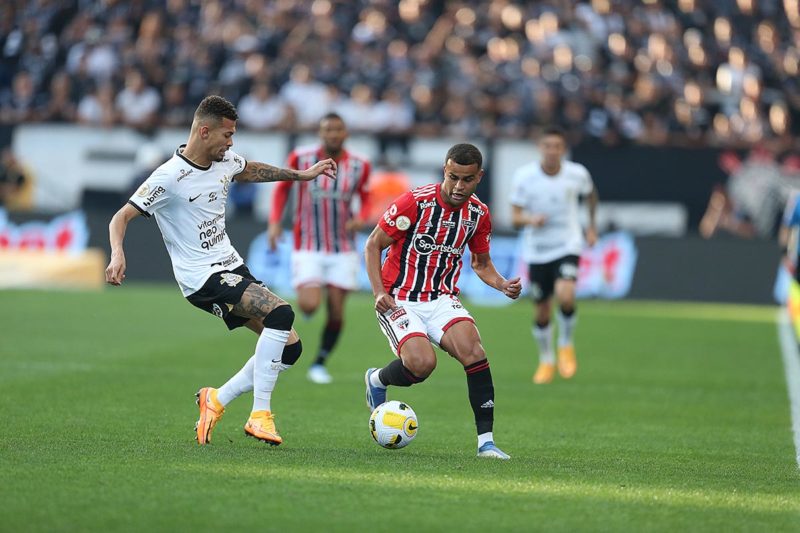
[255, 172]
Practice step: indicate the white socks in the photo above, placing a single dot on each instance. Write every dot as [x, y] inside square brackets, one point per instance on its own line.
[240, 383]
[267, 366]
[544, 339]
[566, 325]
[483, 438]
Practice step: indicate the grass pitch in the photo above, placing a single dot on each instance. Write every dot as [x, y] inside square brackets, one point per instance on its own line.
[678, 419]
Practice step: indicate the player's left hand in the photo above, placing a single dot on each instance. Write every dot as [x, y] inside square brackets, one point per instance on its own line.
[512, 287]
[591, 236]
[326, 167]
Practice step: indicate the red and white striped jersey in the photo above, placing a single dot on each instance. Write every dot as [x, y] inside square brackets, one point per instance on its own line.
[323, 206]
[424, 261]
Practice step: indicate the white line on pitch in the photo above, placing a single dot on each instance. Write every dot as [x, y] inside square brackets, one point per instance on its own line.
[791, 364]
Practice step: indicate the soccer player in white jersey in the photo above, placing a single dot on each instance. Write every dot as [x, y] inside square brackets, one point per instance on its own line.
[545, 200]
[187, 196]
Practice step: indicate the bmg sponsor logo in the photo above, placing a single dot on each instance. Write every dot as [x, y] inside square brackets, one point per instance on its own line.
[155, 194]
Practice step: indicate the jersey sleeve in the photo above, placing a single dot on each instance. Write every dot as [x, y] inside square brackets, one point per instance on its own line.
[400, 216]
[479, 243]
[586, 183]
[153, 194]
[518, 192]
[237, 163]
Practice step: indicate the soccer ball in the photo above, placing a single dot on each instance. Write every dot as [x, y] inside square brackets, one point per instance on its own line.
[393, 424]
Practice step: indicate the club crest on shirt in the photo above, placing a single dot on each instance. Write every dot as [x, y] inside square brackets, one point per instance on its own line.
[468, 223]
[231, 280]
[403, 222]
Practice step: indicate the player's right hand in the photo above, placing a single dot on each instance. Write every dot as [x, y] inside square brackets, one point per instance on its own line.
[115, 271]
[273, 234]
[384, 303]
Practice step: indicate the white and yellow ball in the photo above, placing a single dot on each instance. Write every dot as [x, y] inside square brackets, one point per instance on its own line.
[393, 424]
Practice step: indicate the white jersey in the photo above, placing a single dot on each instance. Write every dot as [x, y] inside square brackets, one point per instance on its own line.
[188, 202]
[556, 197]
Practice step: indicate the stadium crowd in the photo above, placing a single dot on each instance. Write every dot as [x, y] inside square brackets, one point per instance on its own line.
[653, 72]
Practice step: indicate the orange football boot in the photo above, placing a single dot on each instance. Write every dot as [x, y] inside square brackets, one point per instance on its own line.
[261, 426]
[545, 373]
[567, 364]
[210, 413]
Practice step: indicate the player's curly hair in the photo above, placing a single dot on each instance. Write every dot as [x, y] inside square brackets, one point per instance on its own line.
[465, 154]
[216, 108]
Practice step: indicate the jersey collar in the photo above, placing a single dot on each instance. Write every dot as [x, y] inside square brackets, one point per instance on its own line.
[179, 153]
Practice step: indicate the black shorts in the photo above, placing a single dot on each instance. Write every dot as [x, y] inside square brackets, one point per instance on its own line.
[543, 276]
[221, 291]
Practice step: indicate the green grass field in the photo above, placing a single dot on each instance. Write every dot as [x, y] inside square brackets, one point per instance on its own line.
[678, 419]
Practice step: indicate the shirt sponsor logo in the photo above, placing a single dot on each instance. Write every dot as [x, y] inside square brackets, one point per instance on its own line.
[228, 261]
[449, 223]
[426, 205]
[184, 173]
[476, 209]
[399, 318]
[155, 194]
[425, 244]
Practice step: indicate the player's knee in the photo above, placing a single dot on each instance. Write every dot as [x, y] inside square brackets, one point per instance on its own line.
[307, 307]
[291, 353]
[280, 318]
[567, 308]
[473, 354]
[420, 366]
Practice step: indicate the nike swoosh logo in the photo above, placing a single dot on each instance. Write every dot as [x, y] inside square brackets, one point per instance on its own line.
[195, 198]
[412, 427]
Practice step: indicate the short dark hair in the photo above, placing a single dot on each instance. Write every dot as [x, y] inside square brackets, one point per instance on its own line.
[332, 115]
[465, 154]
[216, 107]
[554, 129]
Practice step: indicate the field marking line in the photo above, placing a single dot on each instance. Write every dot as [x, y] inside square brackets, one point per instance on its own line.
[791, 364]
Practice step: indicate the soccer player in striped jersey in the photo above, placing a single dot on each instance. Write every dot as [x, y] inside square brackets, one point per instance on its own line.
[187, 197]
[416, 293]
[324, 226]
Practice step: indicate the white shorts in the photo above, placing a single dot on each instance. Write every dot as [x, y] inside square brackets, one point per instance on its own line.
[421, 319]
[320, 268]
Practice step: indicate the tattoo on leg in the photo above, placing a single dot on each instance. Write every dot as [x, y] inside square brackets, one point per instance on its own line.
[257, 302]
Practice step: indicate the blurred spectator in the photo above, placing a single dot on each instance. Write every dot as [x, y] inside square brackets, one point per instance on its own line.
[60, 107]
[176, 109]
[261, 110]
[97, 107]
[137, 104]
